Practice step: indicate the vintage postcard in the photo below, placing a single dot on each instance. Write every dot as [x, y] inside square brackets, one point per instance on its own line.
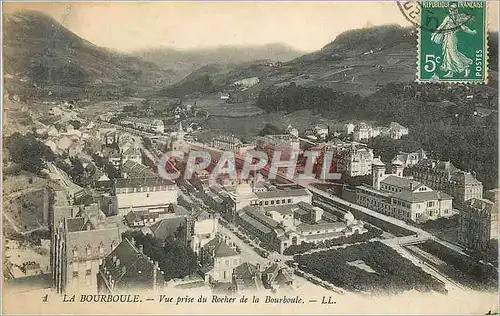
[250, 157]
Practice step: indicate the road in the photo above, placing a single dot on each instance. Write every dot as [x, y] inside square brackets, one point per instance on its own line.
[247, 252]
[449, 283]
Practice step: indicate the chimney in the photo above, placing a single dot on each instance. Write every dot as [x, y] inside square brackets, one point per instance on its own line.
[117, 262]
[411, 185]
[132, 241]
[141, 249]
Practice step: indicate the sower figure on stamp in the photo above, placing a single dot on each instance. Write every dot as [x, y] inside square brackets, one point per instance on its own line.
[453, 60]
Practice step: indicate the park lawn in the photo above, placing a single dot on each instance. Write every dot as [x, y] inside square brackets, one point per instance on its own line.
[393, 273]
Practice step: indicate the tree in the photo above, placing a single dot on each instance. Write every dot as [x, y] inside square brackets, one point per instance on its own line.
[28, 152]
[175, 259]
[271, 129]
[76, 124]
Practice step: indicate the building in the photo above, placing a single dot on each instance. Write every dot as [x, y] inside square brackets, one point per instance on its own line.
[282, 197]
[321, 130]
[247, 276]
[275, 277]
[396, 130]
[178, 227]
[408, 160]
[133, 169]
[132, 154]
[402, 198]
[145, 124]
[278, 227]
[148, 193]
[128, 269]
[81, 238]
[362, 132]
[350, 158]
[348, 128]
[284, 143]
[218, 261]
[205, 229]
[137, 219]
[478, 224]
[444, 176]
[227, 143]
[292, 131]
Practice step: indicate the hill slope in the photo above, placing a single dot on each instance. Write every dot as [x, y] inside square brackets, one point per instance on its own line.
[43, 53]
[184, 62]
[358, 61]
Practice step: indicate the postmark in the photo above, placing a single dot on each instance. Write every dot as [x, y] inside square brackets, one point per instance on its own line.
[452, 41]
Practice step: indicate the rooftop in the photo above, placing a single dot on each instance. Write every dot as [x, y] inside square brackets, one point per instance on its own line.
[402, 183]
[282, 193]
[128, 266]
[221, 248]
[417, 197]
[137, 182]
[134, 169]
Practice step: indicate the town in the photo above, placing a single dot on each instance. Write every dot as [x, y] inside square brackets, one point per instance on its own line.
[105, 203]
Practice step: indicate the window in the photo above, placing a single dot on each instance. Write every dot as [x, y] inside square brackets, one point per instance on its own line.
[430, 204]
[75, 253]
[272, 202]
[266, 203]
[277, 201]
[283, 201]
[88, 272]
[289, 200]
[75, 274]
[147, 195]
[225, 274]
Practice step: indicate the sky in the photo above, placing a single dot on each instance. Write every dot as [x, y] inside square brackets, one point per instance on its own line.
[306, 26]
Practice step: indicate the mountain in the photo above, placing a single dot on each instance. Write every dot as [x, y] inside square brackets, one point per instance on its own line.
[40, 54]
[184, 62]
[358, 61]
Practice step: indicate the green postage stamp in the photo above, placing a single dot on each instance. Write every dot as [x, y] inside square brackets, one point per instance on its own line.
[452, 42]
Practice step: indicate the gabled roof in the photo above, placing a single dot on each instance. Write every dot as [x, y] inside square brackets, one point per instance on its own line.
[221, 248]
[402, 183]
[78, 224]
[245, 271]
[416, 197]
[129, 267]
[167, 227]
